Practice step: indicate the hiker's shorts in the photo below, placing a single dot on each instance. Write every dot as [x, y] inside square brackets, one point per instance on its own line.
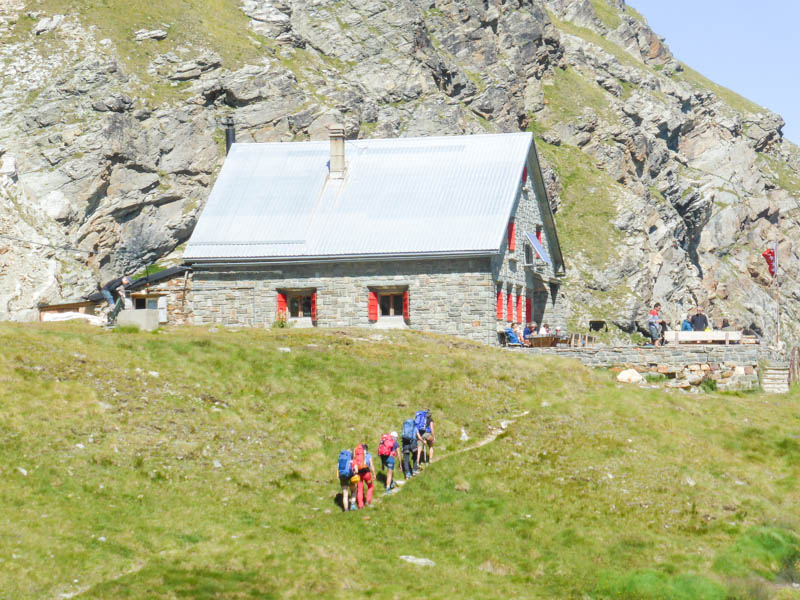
[344, 480]
[428, 438]
[388, 461]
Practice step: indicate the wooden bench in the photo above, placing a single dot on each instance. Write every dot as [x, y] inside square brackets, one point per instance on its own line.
[703, 337]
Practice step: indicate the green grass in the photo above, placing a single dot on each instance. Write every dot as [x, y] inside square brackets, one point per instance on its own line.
[192, 463]
[151, 270]
[619, 53]
[732, 99]
[588, 206]
[782, 175]
[201, 24]
[629, 10]
[570, 94]
[607, 15]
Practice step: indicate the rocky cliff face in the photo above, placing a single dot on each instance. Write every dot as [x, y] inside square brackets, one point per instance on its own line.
[667, 187]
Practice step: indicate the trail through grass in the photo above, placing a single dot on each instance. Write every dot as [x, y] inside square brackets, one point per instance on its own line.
[193, 463]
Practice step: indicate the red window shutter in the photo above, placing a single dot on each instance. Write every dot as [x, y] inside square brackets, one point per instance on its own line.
[519, 308]
[281, 302]
[405, 305]
[539, 236]
[510, 307]
[500, 305]
[373, 306]
[528, 310]
[525, 174]
[512, 236]
[313, 306]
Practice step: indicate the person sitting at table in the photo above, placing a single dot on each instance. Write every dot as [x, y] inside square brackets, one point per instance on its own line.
[558, 332]
[545, 330]
[512, 339]
[528, 332]
[687, 323]
[530, 329]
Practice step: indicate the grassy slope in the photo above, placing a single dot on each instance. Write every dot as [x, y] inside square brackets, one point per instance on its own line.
[217, 25]
[600, 490]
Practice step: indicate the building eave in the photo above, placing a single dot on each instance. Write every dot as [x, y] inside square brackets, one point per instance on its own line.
[295, 260]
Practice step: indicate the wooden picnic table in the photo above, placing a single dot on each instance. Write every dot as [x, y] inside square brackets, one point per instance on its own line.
[543, 341]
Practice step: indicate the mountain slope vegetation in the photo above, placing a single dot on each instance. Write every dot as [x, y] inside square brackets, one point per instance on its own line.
[200, 463]
[666, 186]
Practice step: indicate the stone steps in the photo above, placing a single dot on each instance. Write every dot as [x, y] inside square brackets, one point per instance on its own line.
[775, 379]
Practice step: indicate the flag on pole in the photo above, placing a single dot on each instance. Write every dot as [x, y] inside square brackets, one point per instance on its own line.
[771, 256]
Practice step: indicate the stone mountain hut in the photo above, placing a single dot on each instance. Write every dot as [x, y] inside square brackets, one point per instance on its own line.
[446, 234]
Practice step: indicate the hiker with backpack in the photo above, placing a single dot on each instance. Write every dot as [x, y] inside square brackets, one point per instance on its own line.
[411, 441]
[388, 451]
[424, 424]
[347, 477]
[366, 474]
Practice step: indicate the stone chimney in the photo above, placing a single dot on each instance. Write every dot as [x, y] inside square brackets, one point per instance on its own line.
[337, 165]
[230, 133]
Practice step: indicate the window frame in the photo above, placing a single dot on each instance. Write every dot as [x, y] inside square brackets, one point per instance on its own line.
[299, 294]
[399, 305]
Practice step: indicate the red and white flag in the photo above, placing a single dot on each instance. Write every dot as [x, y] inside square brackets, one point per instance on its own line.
[771, 256]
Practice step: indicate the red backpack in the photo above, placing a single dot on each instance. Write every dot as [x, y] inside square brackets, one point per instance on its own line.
[359, 458]
[386, 445]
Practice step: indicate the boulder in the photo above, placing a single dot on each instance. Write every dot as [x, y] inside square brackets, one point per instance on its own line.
[48, 24]
[630, 376]
[149, 34]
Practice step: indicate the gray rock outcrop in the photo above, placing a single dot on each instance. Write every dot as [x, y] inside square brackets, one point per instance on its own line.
[667, 187]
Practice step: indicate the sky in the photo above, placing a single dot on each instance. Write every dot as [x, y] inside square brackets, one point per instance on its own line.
[749, 46]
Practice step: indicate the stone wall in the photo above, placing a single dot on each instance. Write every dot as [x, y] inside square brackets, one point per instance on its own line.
[731, 367]
[512, 277]
[446, 296]
[613, 356]
[178, 290]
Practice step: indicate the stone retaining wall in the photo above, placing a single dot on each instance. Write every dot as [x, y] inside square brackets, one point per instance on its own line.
[731, 367]
[612, 356]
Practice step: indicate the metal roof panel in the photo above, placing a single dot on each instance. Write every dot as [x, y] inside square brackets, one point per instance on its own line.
[399, 196]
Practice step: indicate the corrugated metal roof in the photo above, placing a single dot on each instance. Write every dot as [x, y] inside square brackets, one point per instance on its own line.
[434, 195]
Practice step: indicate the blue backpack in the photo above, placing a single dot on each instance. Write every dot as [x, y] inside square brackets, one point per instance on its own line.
[421, 420]
[409, 430]
[346, 463]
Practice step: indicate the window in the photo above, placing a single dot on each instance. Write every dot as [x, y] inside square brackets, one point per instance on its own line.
[389, 306]
[298, 306]
[145, 302]
[528, 254]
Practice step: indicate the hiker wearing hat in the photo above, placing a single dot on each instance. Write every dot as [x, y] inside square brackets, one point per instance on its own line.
[388, 451]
